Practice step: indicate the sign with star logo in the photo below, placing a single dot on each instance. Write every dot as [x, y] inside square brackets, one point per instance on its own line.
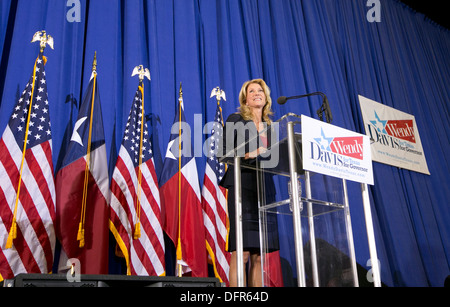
[394, 136]
[337, 152]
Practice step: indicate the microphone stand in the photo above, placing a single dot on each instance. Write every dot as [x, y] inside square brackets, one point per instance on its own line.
[324, 108]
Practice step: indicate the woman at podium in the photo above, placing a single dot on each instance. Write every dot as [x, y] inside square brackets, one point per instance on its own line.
[248, 133]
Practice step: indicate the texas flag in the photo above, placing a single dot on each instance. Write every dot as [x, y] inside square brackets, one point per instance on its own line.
[82, 186]
[181, 200]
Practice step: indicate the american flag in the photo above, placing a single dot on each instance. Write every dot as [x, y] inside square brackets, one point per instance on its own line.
[135, 201]
[33, 245]
[214, 204]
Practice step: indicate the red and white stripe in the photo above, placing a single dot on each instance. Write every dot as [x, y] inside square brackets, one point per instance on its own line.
[144, 256]
[33, 249]
[215, 218]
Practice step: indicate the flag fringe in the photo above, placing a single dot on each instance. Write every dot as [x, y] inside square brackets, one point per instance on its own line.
[80, 236]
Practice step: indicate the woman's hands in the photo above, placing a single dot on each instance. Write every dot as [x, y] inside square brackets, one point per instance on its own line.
[255, 153]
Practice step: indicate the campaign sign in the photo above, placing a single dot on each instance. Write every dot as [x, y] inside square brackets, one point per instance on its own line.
[394, 136]
[336, 152]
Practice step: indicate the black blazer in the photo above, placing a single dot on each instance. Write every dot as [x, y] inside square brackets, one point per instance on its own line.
[240, 137]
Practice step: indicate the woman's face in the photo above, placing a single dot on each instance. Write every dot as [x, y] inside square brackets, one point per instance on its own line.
[256, 98]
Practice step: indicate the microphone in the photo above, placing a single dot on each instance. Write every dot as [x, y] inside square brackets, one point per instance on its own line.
[325, 108]
[283, 99]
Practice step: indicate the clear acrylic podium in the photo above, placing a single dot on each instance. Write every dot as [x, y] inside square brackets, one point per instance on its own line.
[316, 242]
[311, 210]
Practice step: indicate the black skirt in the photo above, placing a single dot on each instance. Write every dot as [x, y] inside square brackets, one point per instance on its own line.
[250, 223]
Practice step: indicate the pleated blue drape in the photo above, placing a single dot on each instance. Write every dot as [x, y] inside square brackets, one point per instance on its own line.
[297, 46]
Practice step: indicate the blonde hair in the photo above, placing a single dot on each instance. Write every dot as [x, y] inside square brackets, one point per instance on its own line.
[245, 111]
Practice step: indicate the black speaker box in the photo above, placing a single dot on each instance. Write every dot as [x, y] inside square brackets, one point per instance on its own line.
[334, 267]
[95, 281]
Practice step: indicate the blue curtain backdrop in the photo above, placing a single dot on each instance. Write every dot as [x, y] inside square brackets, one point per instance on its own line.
[297, 46]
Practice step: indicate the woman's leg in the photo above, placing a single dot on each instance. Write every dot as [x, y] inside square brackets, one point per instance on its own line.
[255, 275]
[233, 268]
